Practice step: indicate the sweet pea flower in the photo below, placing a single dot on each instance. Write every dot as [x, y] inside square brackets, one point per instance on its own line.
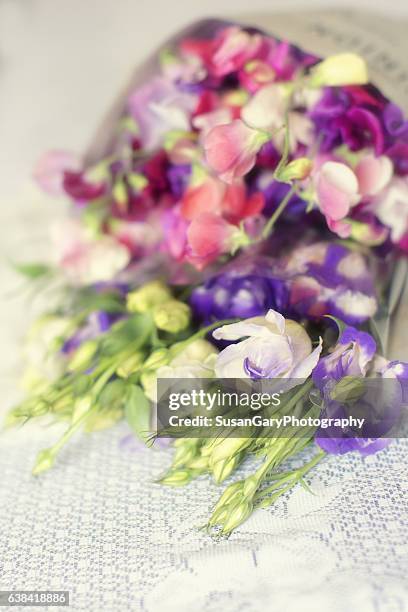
[373, 174]
[50, 168]
[209, 236]
[228, 200]
[338, 70]
[227, 52]
[391, 207]
[159, 107]
[266, 111]
[235, 48]
[231, 149]
[337, 192]
[86, 259]
[273, 348]
[328, 279]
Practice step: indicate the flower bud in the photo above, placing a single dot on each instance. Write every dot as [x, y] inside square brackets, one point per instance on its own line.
[148, 296]
[230, 494]
[197, 350]
[222, 469]
[81, 406]
[148, 380]
[227, 448]
[296, 170]
[238, 515]
[130, 365]
[103, 420]
[250, 486]
[83, 355]
[45, 461]
[186, 451]
[120, 194]
[338, 70]
[157, 359]
[172, 316]
[177, 478]
[348, 389]
[199, 463]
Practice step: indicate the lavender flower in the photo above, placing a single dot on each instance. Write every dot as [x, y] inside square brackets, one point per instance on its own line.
[379, 388]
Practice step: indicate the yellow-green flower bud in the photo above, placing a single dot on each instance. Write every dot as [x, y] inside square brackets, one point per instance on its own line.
[103, 420]
[197, 350]
[148, 380]
[81, 406]
[348, 389]
[230, 494]
[130, 365]
[45, 461]
[176, 479]
[338, 70]
[199, 463]
[157, 359]
[186, 451]
[237, 516]
[296, 170]
[250, 486]
[222, 469]
[172, 316]
[148, 296]
[227, 448]
[82, 357]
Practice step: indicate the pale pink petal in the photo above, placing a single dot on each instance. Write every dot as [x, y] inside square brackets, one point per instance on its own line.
[337, 190]
[373, 174]
[49, 170]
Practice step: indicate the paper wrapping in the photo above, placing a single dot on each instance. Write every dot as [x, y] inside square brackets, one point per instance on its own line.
[380, 40]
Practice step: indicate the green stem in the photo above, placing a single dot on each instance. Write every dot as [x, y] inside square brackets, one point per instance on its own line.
[267, 230]
[292, 477]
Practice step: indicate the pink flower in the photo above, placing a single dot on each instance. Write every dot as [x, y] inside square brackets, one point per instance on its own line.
[231, 149]
[209, 236]
[228, 200]
[373, 174]
[235, 47]
[337, 192]
[231, 48]
[50, 169]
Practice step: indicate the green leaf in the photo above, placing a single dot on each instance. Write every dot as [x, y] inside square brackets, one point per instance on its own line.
[32, 270]
[137, 412]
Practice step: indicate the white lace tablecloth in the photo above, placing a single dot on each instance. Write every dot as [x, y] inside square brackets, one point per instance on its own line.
[98, 526]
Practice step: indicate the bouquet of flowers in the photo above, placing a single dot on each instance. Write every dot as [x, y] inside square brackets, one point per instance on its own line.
[244, 223]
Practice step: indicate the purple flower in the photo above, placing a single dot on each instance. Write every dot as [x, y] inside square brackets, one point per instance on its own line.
[395, 124]
[325, 278]
[379, 398]
[97, 323]
[242, 291]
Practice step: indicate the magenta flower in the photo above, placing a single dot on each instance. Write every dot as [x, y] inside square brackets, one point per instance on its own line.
[231, 149]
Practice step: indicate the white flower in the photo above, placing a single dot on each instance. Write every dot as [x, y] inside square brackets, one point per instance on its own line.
[391, 207]
[273, 348]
